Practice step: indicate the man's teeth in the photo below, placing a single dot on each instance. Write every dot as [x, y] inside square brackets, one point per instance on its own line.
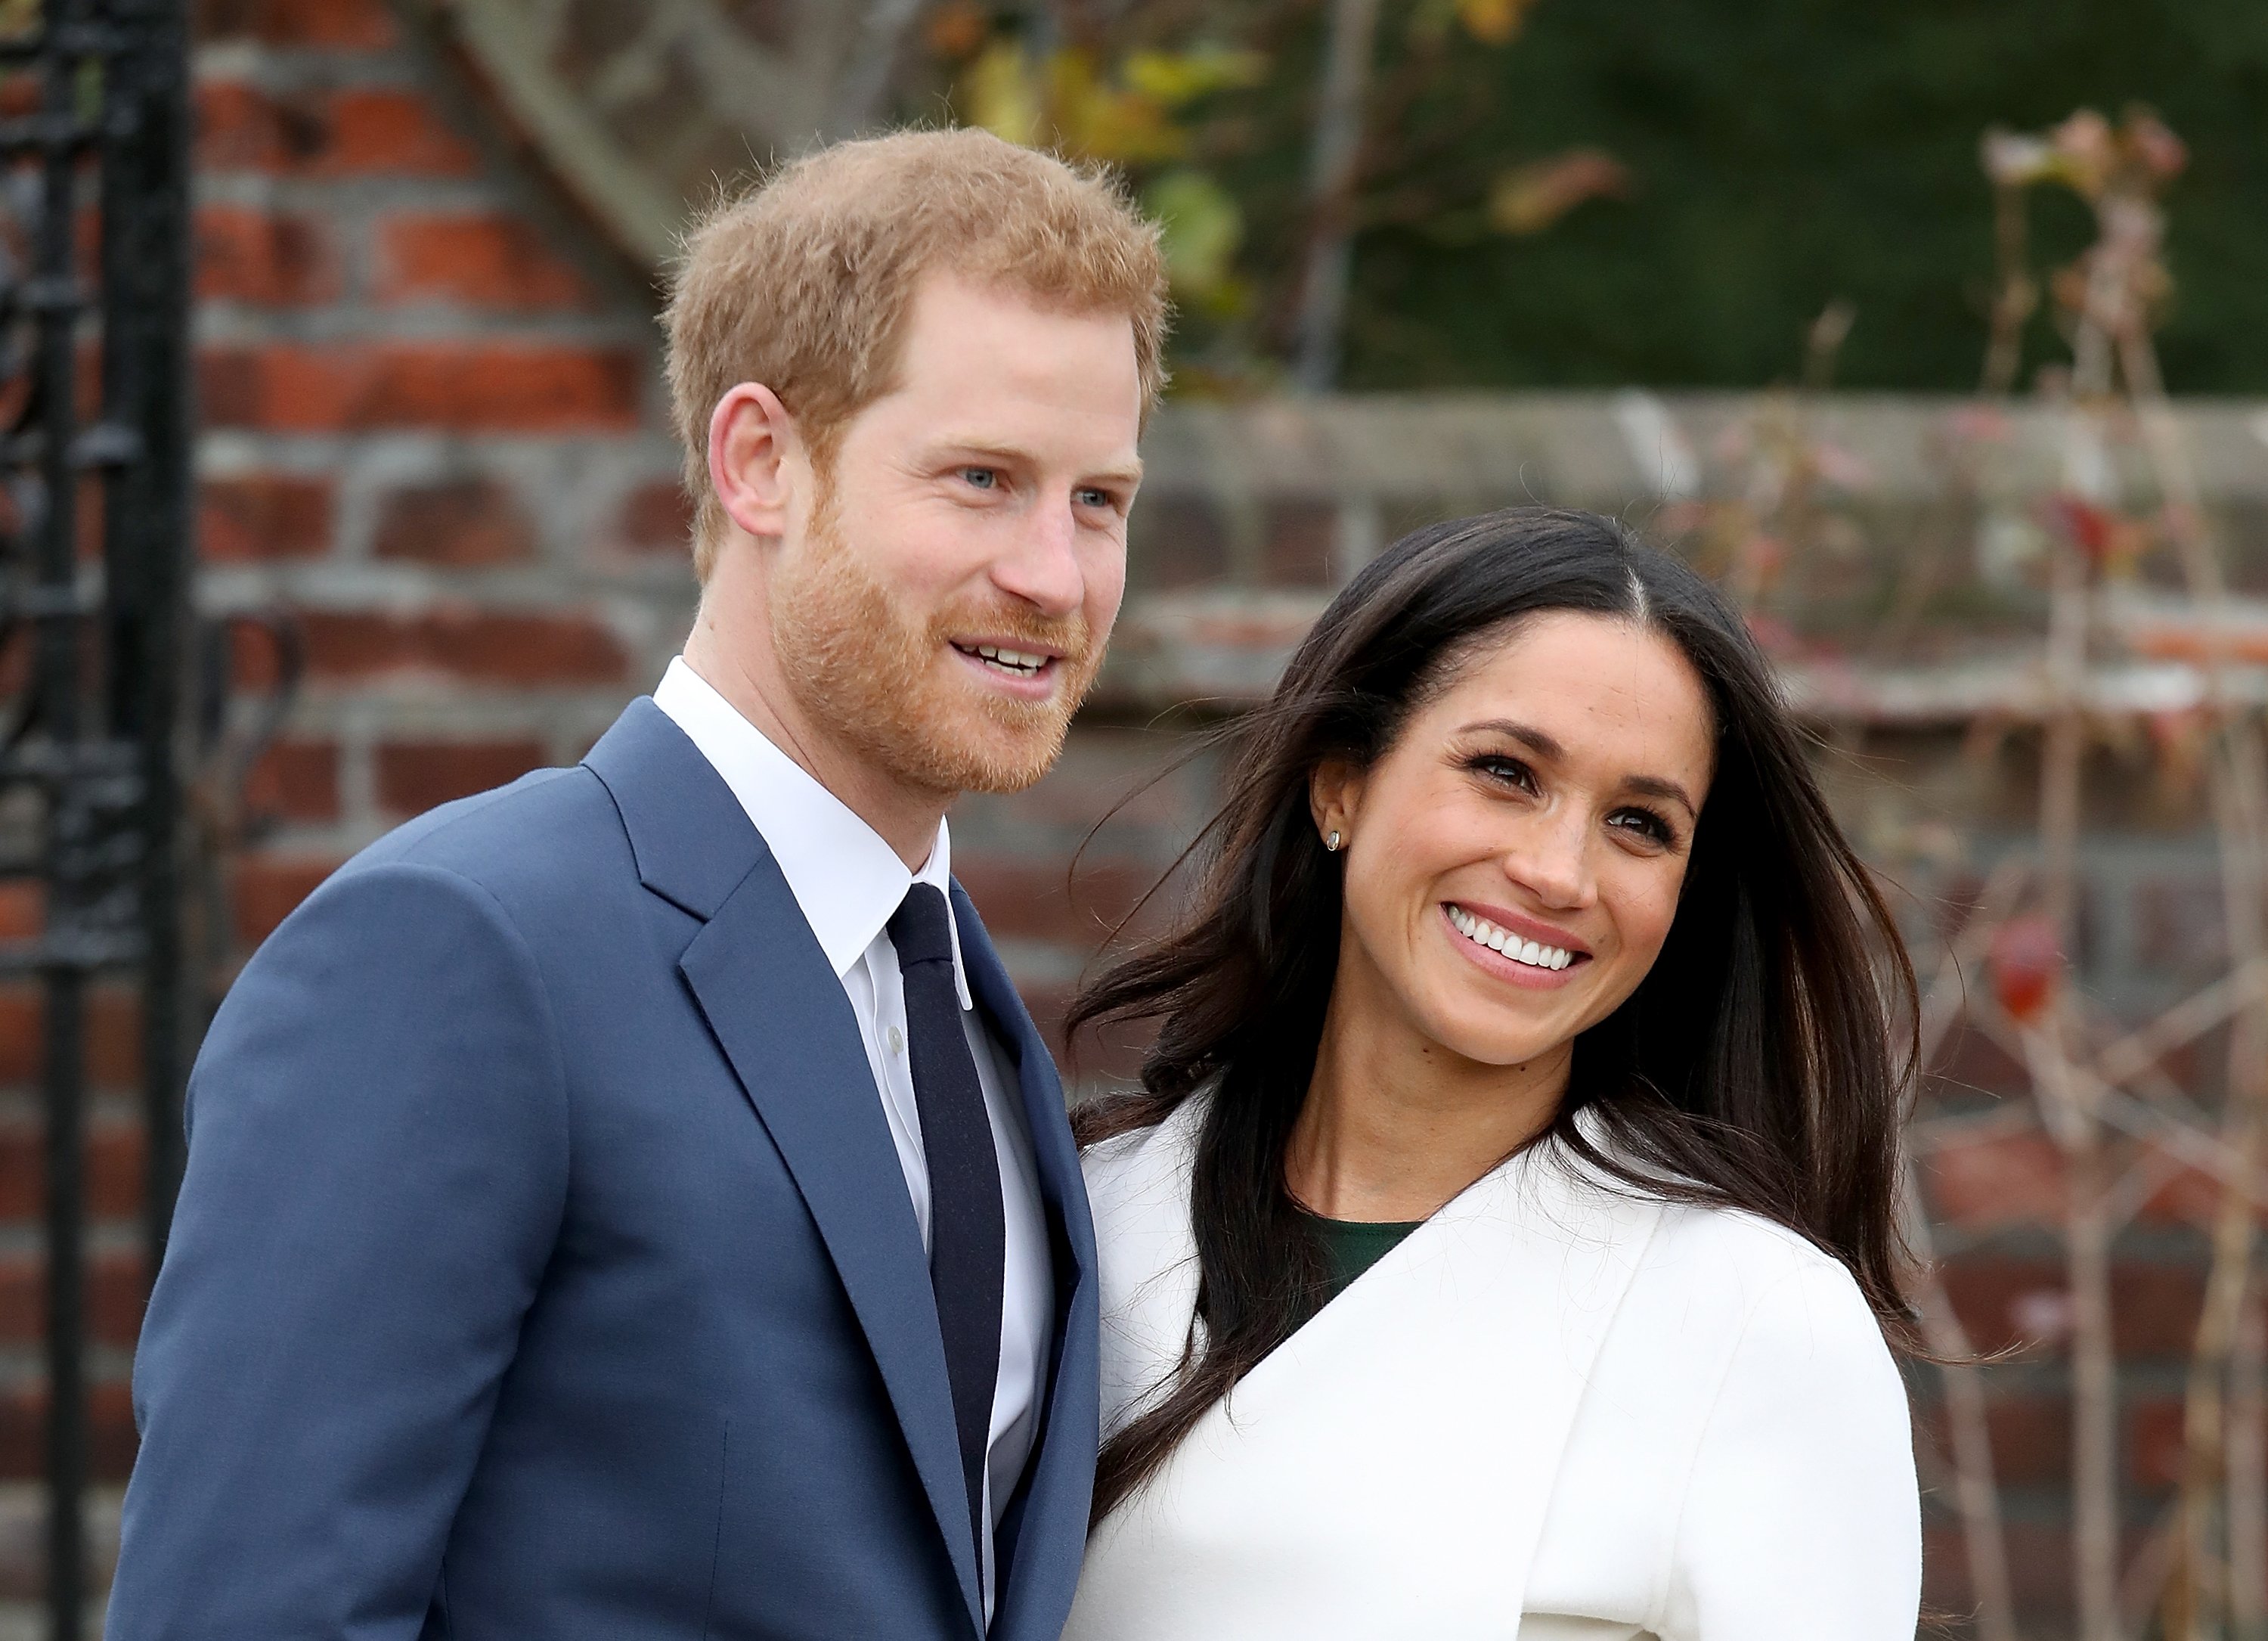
[1481, 932]
[1011, 660]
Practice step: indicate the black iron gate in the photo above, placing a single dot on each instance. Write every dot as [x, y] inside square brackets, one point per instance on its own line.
[94, 568]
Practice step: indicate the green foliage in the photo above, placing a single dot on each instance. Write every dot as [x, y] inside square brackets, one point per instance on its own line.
[1592, 192]
[1784, 154]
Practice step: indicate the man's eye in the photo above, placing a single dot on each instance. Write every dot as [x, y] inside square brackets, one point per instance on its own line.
[982, 477]
[1090, 497]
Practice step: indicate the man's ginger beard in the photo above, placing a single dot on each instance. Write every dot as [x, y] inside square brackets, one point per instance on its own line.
[884, 682]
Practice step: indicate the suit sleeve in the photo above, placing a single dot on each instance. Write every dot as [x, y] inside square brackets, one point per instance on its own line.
[1802, 1518]
[377, 1171]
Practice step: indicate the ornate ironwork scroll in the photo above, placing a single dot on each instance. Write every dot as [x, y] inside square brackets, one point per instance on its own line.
[94, 566]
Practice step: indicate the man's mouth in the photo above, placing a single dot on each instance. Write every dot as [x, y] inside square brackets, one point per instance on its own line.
[1015, 663]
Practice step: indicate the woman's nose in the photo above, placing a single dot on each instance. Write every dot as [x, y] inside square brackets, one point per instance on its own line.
[1552, 863]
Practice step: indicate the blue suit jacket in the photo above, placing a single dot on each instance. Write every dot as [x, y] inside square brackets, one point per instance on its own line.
[544, 1269]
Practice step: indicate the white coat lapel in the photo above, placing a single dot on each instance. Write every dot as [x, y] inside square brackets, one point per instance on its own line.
[1414, 1425]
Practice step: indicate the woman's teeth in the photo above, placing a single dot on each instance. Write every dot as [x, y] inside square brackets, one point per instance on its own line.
[1016, 660]
[1481, 932]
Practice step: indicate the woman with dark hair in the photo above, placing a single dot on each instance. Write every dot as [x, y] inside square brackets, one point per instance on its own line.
[1501, 1243]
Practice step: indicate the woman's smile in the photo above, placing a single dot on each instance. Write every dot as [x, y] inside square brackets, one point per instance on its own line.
[1496, 945]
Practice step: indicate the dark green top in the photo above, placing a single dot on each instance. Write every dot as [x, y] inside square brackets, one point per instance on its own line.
[1351, 1247]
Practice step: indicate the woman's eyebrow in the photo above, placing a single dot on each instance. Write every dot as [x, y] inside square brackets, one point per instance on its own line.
[1655, 787]
[1533, 739]
[1545, 746]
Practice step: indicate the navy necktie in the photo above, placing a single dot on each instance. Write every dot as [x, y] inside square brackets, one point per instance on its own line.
[967, 1232]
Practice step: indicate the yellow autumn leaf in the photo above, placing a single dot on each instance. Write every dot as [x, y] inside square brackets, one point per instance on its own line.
[1200, 229]
[1001, 94]
[1099, 120]
[1493, 22]
[1529, 199]
[1171, 78]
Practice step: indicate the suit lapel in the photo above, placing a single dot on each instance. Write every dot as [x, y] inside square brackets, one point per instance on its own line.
[780, 1015]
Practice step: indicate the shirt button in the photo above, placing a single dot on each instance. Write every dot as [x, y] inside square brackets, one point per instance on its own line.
[897, 1041]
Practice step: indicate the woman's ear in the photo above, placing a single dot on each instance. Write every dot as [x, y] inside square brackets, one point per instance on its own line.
[1334, 796]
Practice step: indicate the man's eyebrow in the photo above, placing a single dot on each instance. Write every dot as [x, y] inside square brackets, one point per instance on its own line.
[1007, 455]
[1545, 746]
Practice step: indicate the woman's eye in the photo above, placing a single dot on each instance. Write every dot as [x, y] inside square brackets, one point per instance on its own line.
[1650, 827]
[1510, 770]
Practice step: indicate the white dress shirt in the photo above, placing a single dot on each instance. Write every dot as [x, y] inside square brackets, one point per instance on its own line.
[848, 883]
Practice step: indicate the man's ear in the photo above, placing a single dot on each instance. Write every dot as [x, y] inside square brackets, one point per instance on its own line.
[753, 451]
[1334, 794]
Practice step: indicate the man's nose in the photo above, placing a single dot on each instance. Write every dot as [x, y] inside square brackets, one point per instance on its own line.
[1042, 565]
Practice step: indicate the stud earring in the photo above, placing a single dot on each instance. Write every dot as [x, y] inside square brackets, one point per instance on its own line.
[1331, 843]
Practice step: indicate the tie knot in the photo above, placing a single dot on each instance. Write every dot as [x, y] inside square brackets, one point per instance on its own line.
[920, 928]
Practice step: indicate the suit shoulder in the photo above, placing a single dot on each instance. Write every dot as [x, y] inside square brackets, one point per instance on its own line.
[546, 827]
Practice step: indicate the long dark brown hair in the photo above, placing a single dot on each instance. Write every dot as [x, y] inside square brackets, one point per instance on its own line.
[1757, 1065]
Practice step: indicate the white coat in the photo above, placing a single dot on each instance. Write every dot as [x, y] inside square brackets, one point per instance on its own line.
[1556, 1412]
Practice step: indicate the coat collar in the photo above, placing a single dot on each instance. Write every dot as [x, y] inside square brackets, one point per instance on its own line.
[1501, 1300]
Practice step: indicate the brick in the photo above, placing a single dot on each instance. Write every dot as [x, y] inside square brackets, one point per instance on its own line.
[1969, 1060]
[112, 1046]
[2007, 1179]
[1300, 538]
[113, 1038]
[417, 776]
[114, 1155]
[656, 518]
[457, 641]
[377, 130]
[295, 781]
[2156, 1443]
[483, 261]
[497, 387]
[267, 888]
[267, 258]
[1175, 542]
[358, 131]
[2023, 1303]
[23, 910]
[2030, 1438]
[462, 522]
[258, 517]
[110, 1436]
[2039, 1570]
[115, 1298]
[336, 25]
[1029, 898]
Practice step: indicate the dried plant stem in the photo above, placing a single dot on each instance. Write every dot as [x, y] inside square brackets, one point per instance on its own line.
[1976, 1488]
[2247, 1479]
[2071, 1119]
[2094, 1394]
[1335, 166]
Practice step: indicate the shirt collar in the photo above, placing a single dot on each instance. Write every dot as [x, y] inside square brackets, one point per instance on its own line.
[846, 880]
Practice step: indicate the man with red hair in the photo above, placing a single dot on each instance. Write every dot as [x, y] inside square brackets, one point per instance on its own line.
[634, 1203]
